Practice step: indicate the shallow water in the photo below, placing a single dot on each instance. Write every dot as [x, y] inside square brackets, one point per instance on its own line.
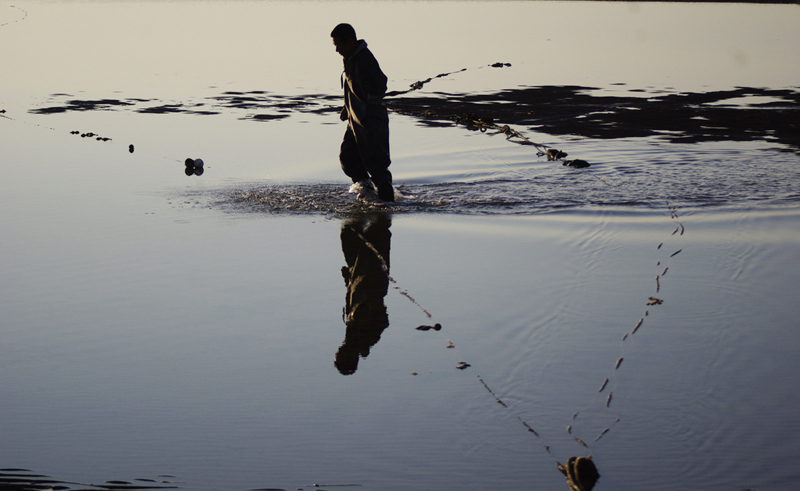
[183, 329]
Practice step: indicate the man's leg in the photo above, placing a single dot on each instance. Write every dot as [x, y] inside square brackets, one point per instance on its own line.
[350, 157]
[374, 146]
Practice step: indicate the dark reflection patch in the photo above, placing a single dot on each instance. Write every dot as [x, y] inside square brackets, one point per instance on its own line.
[740, 114]
[15, 479]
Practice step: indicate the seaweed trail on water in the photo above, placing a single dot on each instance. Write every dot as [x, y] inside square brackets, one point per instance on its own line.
[19, 19]
[603, 398]
[474, 121]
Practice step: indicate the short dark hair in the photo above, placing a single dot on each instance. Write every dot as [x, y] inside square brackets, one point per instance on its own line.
[344, 32]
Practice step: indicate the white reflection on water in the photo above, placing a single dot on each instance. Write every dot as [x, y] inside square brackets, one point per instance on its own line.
[146, 334]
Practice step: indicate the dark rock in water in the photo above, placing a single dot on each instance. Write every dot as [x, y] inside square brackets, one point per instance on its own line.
[198, 171]
[130, 148]
[577, 163]
[580, 472]
[189, 170]
[435, 327]
[189, 162]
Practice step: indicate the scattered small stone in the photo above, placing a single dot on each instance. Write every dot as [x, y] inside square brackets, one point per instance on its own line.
[654, 301]
[450, 345]
[462, 365]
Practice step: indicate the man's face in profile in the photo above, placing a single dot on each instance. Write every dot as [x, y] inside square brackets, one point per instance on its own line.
[344, 47]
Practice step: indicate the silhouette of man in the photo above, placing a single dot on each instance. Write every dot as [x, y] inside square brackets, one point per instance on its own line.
[365, 243]
[364, 154]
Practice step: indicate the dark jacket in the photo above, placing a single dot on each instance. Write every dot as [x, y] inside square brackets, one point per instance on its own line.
[364, 87]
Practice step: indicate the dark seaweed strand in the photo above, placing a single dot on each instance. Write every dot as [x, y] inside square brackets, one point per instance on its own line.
[395, 286]
[604, 396]
[24, 16]
[461, 364]
[475, 122]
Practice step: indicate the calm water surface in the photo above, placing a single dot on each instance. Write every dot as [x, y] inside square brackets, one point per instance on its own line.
[183, 329]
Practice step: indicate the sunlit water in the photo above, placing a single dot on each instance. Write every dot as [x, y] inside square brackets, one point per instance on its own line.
[183, 329]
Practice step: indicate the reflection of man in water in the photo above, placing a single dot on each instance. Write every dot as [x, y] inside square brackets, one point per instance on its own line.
[364, 153]
[366, 241]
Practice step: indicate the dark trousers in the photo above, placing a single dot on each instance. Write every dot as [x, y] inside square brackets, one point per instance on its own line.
[365, 151]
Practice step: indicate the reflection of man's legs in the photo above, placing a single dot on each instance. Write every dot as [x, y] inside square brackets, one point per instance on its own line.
[366, 243]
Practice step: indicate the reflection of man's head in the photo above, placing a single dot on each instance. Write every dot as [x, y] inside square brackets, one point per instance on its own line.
[365, 244]
[346, 360]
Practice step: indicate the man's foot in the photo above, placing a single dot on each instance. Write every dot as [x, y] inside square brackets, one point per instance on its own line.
[363, 188]
[386, 191]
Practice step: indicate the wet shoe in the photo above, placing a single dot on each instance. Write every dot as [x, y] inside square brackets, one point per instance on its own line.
[386, 191]
[363, 188]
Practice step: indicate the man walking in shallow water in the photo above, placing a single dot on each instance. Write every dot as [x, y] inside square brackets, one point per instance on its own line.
[364, 154]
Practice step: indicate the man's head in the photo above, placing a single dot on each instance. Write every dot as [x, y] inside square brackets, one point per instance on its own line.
[344, 38]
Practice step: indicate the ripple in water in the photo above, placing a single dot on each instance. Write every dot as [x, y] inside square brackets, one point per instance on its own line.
[687, 176]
